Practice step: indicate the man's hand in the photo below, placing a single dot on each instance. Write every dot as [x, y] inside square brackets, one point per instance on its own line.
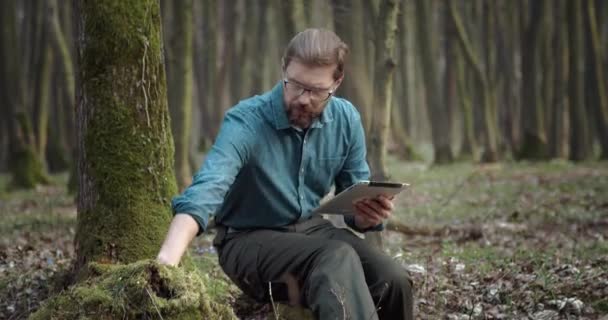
[371, 212]
[181, 232]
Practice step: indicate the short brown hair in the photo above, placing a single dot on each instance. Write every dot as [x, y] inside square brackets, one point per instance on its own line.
[317, 47]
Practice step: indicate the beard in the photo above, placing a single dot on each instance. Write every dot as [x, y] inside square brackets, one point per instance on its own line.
[302, 115]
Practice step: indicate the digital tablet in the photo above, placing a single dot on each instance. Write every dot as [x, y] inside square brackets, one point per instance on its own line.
[343, 203]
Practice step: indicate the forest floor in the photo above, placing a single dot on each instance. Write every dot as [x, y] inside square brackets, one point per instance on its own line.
[501, 241]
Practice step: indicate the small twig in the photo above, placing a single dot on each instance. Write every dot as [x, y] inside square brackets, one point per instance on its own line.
[143, 79]
[274, 307]
[378, 307]
[454, 192]
[341, 301]
[154, 304]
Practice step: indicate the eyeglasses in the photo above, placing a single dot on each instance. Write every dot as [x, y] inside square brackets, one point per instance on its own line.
[316, 95]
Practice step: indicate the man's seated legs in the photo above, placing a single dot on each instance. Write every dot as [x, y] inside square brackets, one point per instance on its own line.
[329, 272]
[389, 283]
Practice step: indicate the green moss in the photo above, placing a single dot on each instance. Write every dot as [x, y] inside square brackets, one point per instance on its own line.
[27, 170]
[141, 290]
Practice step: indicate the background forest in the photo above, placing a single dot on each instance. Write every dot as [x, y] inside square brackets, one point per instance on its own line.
[496, 111]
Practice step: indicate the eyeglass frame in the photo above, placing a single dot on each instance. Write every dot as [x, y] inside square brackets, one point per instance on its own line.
[311, 90]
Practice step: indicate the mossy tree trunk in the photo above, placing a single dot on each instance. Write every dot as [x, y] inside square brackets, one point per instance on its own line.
[580, 148]
[126, 175]
[386, 31]
[178, 50]
[533, 137]
[440, 126]
[399, 120]
[23, 159]
[384, 43]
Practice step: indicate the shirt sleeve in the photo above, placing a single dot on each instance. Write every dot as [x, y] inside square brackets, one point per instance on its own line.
[355, 167]
[229, 153]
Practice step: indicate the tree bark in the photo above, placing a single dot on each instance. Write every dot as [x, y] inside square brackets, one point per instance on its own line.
[357, 85]
[599, 86]
[534, 140]
[489, 127]
[440, 126]
[178, 50]
[23, 161]
[125, 147]
[580, 148]
[386, 31]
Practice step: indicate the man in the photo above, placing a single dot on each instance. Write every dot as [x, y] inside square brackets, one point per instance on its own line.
[275, 157]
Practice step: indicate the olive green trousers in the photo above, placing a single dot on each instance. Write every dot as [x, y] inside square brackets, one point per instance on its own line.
[312, 263]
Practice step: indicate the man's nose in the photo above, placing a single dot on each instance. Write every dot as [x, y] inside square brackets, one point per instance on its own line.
[304, 98]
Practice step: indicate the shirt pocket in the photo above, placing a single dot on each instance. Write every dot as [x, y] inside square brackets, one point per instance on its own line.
[326, 169]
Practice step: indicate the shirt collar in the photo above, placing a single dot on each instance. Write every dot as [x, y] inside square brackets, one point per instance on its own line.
[280, 116]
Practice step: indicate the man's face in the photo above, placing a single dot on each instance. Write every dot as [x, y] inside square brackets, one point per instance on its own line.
[307, 91]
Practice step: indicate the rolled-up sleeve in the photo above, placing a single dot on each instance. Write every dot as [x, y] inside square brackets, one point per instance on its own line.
[355, 167]
[229, 153]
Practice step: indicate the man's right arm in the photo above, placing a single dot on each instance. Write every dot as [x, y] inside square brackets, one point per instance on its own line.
[205, 195]
[181, 232]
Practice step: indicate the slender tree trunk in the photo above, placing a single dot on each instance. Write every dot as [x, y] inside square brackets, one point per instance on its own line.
[259, 75]
[126, 175]
[357, 85]
[178, 51]
[42, 86]
[294, 18]
[489, 128]
[386, 31]
[206, 60]
[599, 86]
[384, 41]
[580, 146]
[534, 141]
[24, 162]
[440, 126]
[557, 124]
[449, 75]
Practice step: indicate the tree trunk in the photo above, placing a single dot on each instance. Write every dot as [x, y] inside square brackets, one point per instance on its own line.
[42, 85]
[598, 87]
[557, 124]
[126, 175]
[534, 141]
[386, 31]
[489, 127]
[206, 64]
[178, 50]
[357, 84]
[23, 161]
[259, 75]
[440, 126]
[294, 18]
[580, 145]
[384, 42]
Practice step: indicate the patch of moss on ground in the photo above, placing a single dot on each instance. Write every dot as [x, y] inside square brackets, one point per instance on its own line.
[141, 290]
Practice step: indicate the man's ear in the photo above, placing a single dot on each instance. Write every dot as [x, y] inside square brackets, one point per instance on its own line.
[338, 82]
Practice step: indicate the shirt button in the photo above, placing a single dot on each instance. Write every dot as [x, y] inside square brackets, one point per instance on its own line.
[304, 140]
[301, 197]
[302, 170]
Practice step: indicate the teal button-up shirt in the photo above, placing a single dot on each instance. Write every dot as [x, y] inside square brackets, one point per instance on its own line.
[261, 172]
